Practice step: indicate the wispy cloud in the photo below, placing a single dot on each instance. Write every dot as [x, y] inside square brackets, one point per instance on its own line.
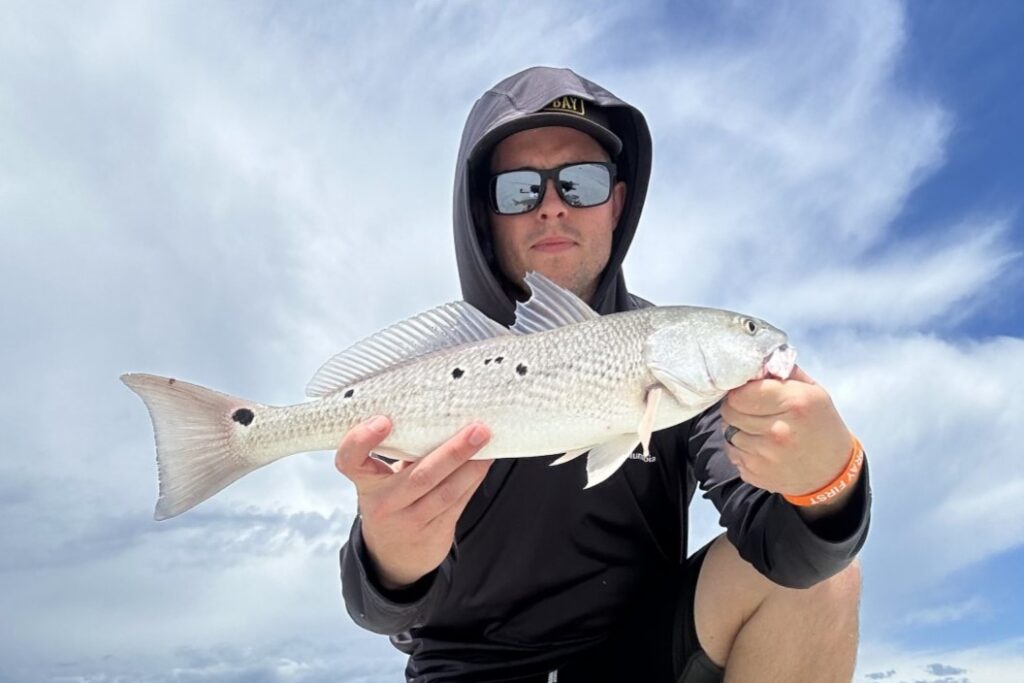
[944, 670]
[999, 662]
[295, 660]
[963, 395]
[943, 614]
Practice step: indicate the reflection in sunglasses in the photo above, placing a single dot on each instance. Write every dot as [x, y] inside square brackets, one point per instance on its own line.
[579, 184]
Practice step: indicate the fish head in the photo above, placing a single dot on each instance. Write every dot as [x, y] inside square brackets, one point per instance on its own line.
[701, 353]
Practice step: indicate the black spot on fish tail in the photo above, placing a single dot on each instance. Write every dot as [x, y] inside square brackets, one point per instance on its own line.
[457, 373]
[243, 416]
[348, 394]
[521, 369]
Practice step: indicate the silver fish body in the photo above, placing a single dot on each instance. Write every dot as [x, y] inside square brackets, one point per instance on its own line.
[562, 380]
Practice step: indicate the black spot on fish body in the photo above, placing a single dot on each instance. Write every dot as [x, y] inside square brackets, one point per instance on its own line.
[457, 373]
[499, 359]
[521, 369]
[243, 416]
[348, 394]
[487, 361]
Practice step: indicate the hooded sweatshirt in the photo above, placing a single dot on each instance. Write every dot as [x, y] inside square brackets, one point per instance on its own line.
[543, 573]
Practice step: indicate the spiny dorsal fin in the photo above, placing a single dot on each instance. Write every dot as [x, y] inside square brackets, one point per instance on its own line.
[549, 307]
[440, 328]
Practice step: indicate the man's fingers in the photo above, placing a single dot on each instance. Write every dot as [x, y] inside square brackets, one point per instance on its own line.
[765, 397]
[742, 444]
[449, 498]
[774, 429]
[800, 376]
[353, 456]
[450, 517]
[741, 454]
[426, 474]
[758, 397]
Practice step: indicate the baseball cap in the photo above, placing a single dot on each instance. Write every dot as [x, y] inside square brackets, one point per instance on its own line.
[571, 111]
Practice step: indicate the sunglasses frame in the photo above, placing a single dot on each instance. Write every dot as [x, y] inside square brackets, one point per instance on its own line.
[552, 174]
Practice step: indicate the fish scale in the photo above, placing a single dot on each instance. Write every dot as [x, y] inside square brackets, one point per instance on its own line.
[427, 405]
[562, 380]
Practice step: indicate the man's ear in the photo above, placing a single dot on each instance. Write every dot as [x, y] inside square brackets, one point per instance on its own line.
[618, 201]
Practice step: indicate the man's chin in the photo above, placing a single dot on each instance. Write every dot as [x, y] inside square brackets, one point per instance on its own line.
[558, 276]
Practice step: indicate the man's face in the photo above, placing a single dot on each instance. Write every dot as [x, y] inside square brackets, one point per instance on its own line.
[570, 246]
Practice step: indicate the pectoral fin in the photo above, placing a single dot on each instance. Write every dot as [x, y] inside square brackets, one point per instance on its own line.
[608, 457]
[647, 421]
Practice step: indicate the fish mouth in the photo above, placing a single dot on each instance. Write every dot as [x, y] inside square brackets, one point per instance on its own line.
[779, 363]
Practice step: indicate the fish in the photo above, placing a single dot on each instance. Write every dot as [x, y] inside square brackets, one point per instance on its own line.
[561, 380]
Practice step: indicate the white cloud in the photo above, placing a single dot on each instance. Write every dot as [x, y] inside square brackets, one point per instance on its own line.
[938, 420]
[913, 285]
[999, 662]
[773, 178]
[942, 614]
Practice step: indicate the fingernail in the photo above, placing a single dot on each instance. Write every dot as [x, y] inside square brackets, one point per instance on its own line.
[477, 436]
[378, 424]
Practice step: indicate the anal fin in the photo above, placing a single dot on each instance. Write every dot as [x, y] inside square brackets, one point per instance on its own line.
[605, 459]
[569, 455]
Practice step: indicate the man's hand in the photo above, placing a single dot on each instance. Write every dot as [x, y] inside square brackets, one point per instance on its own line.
[409, 511]
[791, 438]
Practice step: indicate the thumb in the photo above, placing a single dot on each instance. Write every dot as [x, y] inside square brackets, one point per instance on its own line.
[799, 375]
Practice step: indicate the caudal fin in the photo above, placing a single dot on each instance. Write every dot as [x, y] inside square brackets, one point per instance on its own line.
[198, 449]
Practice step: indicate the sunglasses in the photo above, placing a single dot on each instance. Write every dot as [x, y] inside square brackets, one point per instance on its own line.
[580, 185]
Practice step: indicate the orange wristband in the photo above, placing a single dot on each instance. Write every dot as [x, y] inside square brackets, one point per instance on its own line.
[830, 490]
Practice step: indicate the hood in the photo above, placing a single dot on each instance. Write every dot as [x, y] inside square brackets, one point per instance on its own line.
[494, 116]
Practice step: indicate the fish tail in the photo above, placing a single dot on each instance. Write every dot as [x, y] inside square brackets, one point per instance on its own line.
[200, 447]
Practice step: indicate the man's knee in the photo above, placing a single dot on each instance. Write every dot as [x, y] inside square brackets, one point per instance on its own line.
[830, 608]
[730, 592]
[840, 592]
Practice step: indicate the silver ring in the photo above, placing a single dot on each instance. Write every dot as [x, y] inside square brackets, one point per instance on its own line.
[731, 431]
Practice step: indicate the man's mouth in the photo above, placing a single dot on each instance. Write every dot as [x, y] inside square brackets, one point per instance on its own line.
[553, 244]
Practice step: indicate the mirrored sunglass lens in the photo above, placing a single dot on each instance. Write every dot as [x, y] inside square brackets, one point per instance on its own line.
[584, 184]
[517, 191]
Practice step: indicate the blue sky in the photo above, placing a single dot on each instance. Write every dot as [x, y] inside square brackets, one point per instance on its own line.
[207, 191]
[967, 55]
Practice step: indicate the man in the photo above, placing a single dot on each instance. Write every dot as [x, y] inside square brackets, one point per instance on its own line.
[510, 571]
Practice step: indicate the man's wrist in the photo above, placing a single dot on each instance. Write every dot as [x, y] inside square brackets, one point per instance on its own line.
[834, 496]
[837, 503]
[389, 586]
[385, 577]
[837, 489]
[394, 583]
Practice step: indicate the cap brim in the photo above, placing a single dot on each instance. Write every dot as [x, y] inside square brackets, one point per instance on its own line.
[609, 140]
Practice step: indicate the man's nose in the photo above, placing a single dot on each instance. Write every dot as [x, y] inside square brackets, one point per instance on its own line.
[552, 206]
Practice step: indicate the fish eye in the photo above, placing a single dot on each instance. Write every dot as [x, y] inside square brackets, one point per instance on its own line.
[750, 326]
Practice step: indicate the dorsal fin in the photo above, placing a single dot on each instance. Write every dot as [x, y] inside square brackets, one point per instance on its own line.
[443, 327]
[549, 307]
